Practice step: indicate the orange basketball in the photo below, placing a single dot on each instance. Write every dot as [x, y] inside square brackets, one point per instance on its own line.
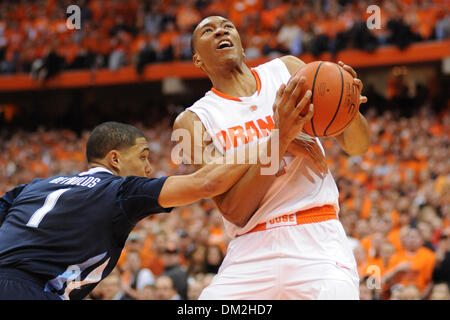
[334, 95]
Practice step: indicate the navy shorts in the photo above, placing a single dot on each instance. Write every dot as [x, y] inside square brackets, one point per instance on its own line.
[19, 285]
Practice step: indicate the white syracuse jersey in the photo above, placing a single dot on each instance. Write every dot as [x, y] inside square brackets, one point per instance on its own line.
[237, 121]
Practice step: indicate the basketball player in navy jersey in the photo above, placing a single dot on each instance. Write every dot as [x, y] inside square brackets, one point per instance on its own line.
[60, 236]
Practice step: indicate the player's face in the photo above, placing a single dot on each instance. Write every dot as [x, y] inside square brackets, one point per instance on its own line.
[216, 40]
[134, 161]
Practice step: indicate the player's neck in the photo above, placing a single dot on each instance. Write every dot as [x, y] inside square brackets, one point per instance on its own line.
[96, 163]
[237, 82]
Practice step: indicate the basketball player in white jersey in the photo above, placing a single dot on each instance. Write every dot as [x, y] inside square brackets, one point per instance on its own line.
[287, 240]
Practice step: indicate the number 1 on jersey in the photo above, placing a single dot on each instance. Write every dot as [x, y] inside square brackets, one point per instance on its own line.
[49, 204]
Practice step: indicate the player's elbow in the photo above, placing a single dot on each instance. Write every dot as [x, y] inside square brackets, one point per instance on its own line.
[357, 147]
[363, 150]
[362, 147]
[358, 151]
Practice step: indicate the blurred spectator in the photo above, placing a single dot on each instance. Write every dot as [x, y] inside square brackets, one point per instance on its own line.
[396, 293]
[153, 19]
[426, 231]
[147, 293]
[443, 28]
[154, 256]
[111, 287]
[165, 290]
[361, 260]
[365, 293]
[185, 245]
[195, 288]
[84, 59]
[134, 277]
[361, 38]
[414, 265]
[48, 66]
[27, 29]
[187, 15]
[387, 250]
[289, 36]
[214, 258]
[440, 292]
[254, 42]
[441, 271]
[147, 53]
[400, 34]
[216, 235]
[133, 244]
[174, 270]
[167, 37]
[117, 57]
[182, 44]
[197, 261]
[410, 292]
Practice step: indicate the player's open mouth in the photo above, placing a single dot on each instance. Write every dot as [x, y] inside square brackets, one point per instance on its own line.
[224, 44]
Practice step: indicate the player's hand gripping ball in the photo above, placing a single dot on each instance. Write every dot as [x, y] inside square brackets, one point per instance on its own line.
[335, 96]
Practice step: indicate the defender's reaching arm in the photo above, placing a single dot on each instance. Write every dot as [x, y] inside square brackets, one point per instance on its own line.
[253, 185]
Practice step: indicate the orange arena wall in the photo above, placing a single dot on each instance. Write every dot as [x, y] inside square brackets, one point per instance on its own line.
[385, 56]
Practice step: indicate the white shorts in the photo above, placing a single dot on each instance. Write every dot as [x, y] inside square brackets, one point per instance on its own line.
[306, 261]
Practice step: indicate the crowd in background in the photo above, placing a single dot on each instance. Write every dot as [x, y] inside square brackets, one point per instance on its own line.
[34, 36]
[394, 201]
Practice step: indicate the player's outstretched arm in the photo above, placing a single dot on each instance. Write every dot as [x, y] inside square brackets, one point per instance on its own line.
[208, 182]
[240, 202]
[215, 175]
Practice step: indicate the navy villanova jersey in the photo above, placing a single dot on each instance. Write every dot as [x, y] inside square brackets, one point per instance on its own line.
[69, 231]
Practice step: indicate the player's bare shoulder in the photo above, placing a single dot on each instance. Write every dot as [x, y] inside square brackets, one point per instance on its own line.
[292, 63]
[190, 122]
[185, 120]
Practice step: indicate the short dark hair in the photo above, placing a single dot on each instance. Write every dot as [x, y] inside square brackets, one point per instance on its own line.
[110, 136]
